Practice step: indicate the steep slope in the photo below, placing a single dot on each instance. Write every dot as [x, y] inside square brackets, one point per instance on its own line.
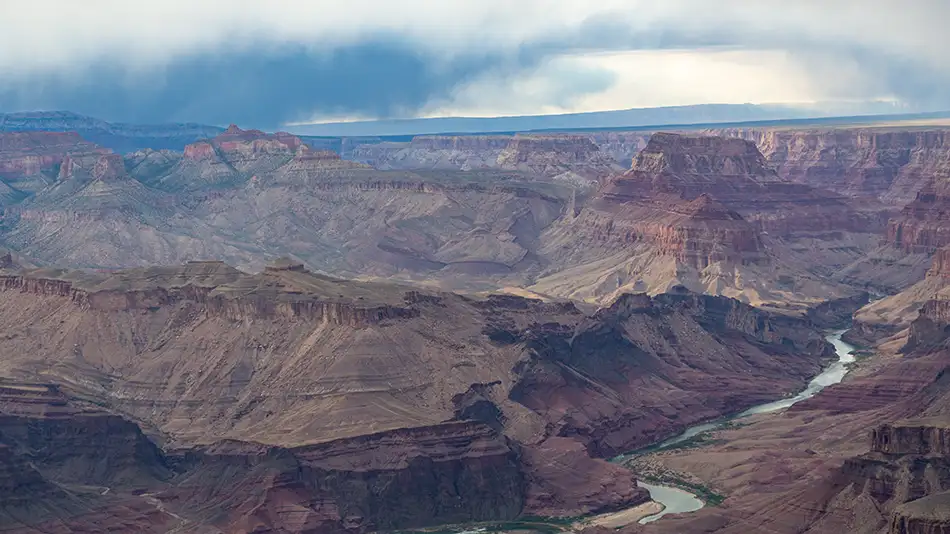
[912, 237]
[704, 212]
[230, 158]
[146, 165]
[881, 164]
[923, 225]
[573, 158]
[30, 160]
[95, 215]
[66, 467]
[246, 196]
[868, 455]
[434, 152]
[122, 138]
[890, 315]
[568, 157]
[459, 229]
[302, 403]
[708, 213]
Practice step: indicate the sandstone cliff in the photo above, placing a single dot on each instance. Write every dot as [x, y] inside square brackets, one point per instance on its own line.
[30, 160]
[707, 213]
[868, 455]
[922, 226]
[875, 164]
[298, 402]
[893, 314]
[566, 157]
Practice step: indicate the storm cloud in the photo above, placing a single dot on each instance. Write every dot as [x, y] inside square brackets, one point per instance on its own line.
[265, 64]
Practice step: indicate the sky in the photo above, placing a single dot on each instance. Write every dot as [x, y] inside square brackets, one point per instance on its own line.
[277, 62]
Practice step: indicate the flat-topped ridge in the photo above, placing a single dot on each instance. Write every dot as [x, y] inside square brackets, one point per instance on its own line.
[284, 289]
[678, 154]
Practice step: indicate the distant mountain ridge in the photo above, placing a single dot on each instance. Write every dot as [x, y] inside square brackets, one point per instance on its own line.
[345, 138]
[121, 137]
[658, 117]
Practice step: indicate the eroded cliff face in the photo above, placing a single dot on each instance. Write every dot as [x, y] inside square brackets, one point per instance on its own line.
[567, 157]
[734, 172]
[906, 475]
[927, 515]
[890, 166]
[533, 217]
[601, 400]
[697, 233]
[923, 225]
[63, 463]
[434, 152]
[277, 413]
[708, 213]
[557, 154]
[890, 315]
[449, 473]
[30, 153]
[229, 159]
[29, 161]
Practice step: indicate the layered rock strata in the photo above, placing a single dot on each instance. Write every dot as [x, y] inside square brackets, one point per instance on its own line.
[889, 166]
[301, 403]
[708, 213]
[569, 157]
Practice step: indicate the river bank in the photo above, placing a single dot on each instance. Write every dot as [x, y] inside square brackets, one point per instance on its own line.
[672, 492]
[677, 492]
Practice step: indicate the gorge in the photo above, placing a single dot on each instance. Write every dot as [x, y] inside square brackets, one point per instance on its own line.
[255, 334]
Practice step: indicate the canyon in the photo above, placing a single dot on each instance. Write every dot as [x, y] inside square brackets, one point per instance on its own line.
[299, 402]
[244, 331]
[867, 455]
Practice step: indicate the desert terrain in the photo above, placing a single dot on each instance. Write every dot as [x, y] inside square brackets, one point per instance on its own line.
[235, 330]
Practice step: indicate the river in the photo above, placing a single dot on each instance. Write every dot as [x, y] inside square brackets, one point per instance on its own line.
[676, 500]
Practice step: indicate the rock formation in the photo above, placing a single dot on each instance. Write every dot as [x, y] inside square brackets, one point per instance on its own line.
[923, 225]
[434, 152]
[29, 160]
[524, 218]
[868, 455]
[122, 138]
[701, 211]
[298, 402]
[890, 315]
[889, 166]
[565, 157]
[569, 157]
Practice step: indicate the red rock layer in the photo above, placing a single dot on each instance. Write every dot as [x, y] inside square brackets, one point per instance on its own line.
[697, 233]
[96, 166]
[889, 165]
[928, 515]
[923, 226]
[29, 153]
[708, 199]
[455, 472]
[236, 143]
[912, 437]
[940, 264]
[225, 301]
[66, 468]
[733, 172]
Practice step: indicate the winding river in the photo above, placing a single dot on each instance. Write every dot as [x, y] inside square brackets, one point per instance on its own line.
[676, 500]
